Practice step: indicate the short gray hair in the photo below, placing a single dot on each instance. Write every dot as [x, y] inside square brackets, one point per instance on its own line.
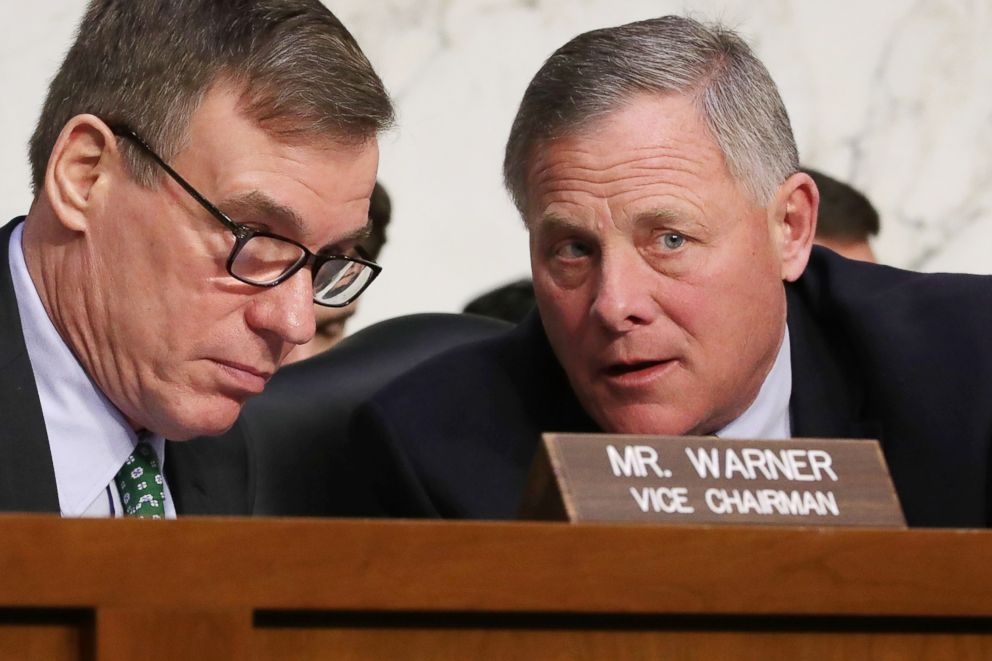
[147, 64]
[597, 72]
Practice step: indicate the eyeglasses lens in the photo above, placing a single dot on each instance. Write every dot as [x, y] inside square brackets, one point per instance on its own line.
[264, 259]
[339, 280]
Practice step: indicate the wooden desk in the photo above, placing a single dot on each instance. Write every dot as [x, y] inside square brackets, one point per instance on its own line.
[354, 589]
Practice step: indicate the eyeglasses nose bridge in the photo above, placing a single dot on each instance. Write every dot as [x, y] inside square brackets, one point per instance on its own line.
[312, 261]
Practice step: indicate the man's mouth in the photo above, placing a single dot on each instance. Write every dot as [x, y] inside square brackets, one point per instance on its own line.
[245, 377]
[634, 367]
[637, 372]
[254, 371]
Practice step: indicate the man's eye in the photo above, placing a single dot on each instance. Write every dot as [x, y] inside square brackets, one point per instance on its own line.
[672, 240]
[572, 250]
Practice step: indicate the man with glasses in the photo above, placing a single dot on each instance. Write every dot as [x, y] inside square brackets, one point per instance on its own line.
[202, 174]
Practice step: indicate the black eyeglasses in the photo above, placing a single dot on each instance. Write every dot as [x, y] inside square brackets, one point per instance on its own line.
[264, 259]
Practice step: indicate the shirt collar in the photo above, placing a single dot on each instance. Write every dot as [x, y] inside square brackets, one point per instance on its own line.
[88, 437]
[768, 415]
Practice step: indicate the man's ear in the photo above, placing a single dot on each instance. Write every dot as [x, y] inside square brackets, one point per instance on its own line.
[792, 218]
[79, 169]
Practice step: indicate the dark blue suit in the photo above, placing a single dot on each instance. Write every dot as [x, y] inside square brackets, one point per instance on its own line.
[210, 476]
[877, 352]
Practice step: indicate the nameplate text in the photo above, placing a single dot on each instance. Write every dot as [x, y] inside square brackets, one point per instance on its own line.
[810, 482]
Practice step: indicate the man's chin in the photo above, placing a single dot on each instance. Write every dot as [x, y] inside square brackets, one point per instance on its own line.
[212, 422]
[648, 419]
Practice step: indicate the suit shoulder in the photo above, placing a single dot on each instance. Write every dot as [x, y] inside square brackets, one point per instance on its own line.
[501, 360]
[901, 319]
[876, 289]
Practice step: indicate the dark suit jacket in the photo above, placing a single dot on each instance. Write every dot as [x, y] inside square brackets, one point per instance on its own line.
[877, 352]
[211, 476]
[296, 429]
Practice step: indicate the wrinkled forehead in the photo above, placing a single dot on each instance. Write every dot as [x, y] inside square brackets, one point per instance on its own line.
[647, 134]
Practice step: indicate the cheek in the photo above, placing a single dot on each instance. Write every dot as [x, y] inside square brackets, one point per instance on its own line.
[177, 310]
[562, 310]
[734, 304]
[565, 320]
[737, 326]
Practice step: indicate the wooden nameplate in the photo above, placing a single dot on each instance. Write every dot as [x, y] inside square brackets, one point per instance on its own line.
[704, 479]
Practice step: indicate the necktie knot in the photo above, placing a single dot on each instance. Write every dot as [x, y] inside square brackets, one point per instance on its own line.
[141, 485]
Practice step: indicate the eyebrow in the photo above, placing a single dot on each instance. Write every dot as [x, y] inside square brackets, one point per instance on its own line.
[664, 215]
[555, 222]
[258, 203]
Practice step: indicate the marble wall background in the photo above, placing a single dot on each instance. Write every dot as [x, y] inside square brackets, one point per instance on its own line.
[894, 96]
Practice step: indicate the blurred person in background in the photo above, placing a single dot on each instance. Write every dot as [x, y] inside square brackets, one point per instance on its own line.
[846, 221]
[330, 322]
[511, 302]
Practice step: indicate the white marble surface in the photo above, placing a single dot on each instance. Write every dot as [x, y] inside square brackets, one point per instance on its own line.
[894, 96]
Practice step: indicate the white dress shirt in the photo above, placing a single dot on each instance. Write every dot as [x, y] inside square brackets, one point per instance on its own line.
[88, 437]
[768, 415]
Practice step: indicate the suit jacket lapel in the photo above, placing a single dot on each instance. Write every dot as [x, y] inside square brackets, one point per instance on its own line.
[211, 475]
[27, 475]
[828, 398]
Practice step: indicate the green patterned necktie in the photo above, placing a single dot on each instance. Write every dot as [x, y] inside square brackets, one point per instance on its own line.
[140, 484]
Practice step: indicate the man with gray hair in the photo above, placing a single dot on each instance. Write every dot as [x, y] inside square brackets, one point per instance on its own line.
[678, 293]
[202, 173]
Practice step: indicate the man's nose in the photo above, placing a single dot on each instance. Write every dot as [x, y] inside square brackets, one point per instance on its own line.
[286, 310]
[623, 298]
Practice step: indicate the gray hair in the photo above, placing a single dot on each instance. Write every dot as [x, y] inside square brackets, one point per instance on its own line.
[597, 72]
[147, 64]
